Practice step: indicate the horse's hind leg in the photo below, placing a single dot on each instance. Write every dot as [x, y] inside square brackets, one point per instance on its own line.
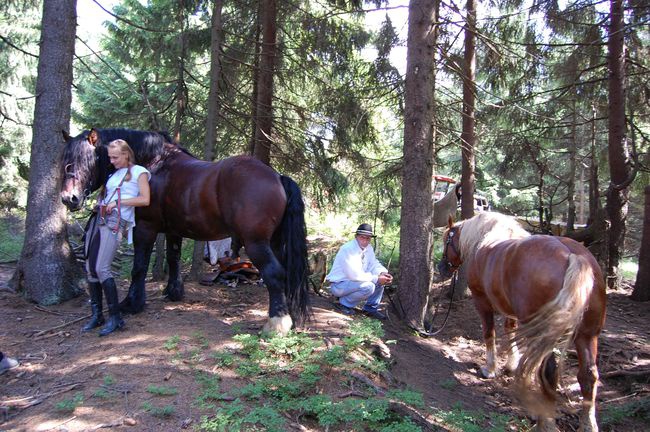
[510, 326]
[174, 290]
[587, 350]
[274, 278]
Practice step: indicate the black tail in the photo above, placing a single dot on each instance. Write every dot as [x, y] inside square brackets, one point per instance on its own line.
[294, 252]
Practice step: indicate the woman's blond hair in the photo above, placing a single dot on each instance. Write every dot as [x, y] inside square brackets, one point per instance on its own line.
[124, 147]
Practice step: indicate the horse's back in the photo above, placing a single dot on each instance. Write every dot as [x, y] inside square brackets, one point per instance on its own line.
[521, 275]
[204, 200]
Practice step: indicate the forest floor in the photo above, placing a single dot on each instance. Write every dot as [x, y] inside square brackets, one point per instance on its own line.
[190, 366]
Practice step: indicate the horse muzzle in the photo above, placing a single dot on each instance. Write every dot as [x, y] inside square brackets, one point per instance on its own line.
[445, 270]
[72, 201]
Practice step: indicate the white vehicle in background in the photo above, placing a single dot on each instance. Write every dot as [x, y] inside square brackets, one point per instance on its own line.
[444, 184]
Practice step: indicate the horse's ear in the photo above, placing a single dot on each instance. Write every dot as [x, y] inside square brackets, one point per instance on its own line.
[93, 137]
[450, 222]
[66, 135]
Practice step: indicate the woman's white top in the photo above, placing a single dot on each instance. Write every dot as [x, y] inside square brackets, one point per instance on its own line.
[128, 189]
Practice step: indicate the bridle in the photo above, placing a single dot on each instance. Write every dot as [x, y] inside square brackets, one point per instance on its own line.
[71, 173]
[450, 242]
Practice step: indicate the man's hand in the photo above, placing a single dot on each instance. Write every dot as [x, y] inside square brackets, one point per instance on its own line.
[384, 278]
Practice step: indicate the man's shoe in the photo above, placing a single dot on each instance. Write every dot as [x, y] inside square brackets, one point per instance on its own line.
[7, 363]
[345, 310]
[374, 313]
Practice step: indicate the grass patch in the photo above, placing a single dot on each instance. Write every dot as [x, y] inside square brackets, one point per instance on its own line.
[162, 412]
[161, 390]
[613, 416]
[12, 236]
[69, 405]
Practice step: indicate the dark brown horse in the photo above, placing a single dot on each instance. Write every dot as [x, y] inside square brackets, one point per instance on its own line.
[238, 196]
[553, 286]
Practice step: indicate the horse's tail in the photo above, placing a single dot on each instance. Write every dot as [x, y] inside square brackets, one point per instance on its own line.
[553, 326]
[294, 252]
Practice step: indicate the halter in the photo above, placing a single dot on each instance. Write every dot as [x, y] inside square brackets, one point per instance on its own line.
[71, 173]
[445, 259]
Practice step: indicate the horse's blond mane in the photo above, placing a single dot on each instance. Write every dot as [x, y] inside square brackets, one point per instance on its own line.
[487, 228]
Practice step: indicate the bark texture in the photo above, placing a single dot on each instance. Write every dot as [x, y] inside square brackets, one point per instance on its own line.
[415, 269]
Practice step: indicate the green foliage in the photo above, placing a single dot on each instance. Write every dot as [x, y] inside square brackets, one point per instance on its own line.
[102, 394]
[161, 390]
[109, 380]
[362, 331]
[611, 416]
[172, 343]
[11, 237]
[165, 411]
[224, 358]
[209, 388]
[69, 405]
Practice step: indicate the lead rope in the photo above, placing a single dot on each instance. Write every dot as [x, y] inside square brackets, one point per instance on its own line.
[428, 332]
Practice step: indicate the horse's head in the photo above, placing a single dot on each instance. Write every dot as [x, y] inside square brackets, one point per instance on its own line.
[82, 161]
[451, 258]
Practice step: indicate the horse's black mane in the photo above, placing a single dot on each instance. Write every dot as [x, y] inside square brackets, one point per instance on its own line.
[148, 146]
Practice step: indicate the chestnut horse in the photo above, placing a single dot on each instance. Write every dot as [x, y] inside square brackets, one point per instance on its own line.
[552, 285]
[238, 196]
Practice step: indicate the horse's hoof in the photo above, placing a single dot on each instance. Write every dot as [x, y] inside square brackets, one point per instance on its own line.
[486, 373]
[280, 325]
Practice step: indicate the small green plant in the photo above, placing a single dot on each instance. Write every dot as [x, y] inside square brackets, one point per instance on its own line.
[209, 388]
[362, 331]
[226, 419]
[108, 380]
[201, 339]
[102, 394]
[449, 384]
[461, 419]
[223, 358]
[172, 343]
[166, 411]
[69, 405]
[334, 356]
[162, 390]
[614, 415]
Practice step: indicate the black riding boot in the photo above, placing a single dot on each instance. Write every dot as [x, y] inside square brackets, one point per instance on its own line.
[114, 318]
[97, 317]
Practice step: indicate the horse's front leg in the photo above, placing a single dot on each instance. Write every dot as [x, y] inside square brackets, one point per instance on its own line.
[175, 289]
[510, 326]
[143, 241]
[274, 278]
[587, 350]
[489, 336]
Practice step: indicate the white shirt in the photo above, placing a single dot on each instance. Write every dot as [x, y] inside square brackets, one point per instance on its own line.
[356, 264]
[128, 189]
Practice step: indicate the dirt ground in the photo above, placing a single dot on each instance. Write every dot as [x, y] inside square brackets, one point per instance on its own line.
[59, 364]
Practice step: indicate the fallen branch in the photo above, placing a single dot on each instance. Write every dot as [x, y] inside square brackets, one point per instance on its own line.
[42, 332]
[352, 393]
[42, 309]
[626, 372]
[367, 381]
[24, 403]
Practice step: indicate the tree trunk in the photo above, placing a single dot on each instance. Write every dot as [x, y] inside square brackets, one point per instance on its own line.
[619, 168]
[571, 177]
[47, 270]
[642, 286]
[415, 268]
[181, 87]
[468, 136]
[264, 109]
[256, 78]
[211, 121]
